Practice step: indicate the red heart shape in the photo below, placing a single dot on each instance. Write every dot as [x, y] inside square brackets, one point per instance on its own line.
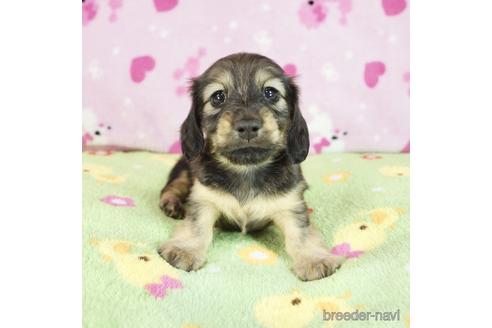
[140, 66]
[394, 7]
[372, 72]
[165, 5]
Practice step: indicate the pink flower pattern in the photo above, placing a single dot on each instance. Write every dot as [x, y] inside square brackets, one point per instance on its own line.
[345, 250]
[118, 201]
[159, 290]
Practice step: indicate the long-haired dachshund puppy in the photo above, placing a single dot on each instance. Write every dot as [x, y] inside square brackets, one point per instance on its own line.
[242, 141]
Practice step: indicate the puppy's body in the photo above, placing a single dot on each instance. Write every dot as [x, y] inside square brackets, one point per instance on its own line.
[243, 141]
[247, 198]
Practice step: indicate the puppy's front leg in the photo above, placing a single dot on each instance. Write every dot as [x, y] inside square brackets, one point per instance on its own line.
[187, 248]
[311, 257]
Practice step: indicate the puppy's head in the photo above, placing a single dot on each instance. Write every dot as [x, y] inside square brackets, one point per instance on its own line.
[245, 111]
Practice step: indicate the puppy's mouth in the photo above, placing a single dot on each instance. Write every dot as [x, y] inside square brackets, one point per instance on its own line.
[248, 155]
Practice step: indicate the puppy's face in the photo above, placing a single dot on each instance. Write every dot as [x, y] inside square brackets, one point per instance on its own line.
[245, 111]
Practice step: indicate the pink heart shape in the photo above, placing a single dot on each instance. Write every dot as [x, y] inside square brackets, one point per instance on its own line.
[165, 5]
[182, 90]
[140, 66]
[372, 72]
[290, 70]
[175, 148]
[394, 7]
[406, 149]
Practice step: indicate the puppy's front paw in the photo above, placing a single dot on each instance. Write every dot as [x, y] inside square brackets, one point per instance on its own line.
[172, 206]
[311, 268]
[181, 258]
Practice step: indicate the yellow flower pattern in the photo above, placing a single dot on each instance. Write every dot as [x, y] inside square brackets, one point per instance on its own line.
[395, 171]
[102, 173]
[257, 255]
[336, 178]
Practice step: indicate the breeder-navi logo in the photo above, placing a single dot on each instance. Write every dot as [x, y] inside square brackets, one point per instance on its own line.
[361, 316]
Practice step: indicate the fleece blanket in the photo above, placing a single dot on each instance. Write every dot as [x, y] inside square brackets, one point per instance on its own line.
[360, 203]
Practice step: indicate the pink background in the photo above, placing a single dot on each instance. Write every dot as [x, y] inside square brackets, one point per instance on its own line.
[351, 58]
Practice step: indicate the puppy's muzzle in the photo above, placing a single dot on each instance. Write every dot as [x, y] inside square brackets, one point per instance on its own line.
[247, 128]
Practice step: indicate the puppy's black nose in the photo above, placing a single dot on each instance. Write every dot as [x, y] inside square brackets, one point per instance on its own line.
[248, 129]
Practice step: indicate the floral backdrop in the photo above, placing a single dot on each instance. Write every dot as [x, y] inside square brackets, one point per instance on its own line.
[351, 59]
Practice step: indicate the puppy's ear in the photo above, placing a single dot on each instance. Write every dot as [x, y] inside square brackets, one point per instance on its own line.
[298, 134]
[192, 141]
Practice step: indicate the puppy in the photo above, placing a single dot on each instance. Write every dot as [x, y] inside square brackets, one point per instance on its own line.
[242, 141]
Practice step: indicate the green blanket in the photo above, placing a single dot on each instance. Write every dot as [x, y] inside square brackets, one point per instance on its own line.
[360, 203]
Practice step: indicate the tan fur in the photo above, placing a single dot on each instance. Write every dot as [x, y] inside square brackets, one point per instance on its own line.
[186, 249]
[275, 83]
[208, 109]
[270, 126]
[263, 75]
[256, 208]
[311, 258]
[173, 195]
[281, 104]
[224, 130]
[178, 186]
[188, 245]
[210, 89]
[265, 79]
[223, 78]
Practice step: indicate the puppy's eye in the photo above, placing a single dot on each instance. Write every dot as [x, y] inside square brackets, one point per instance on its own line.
[217, 98]
[271, 94]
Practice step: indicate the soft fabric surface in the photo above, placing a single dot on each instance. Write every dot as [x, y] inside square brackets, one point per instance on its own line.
[359, 202]
[351, 58]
